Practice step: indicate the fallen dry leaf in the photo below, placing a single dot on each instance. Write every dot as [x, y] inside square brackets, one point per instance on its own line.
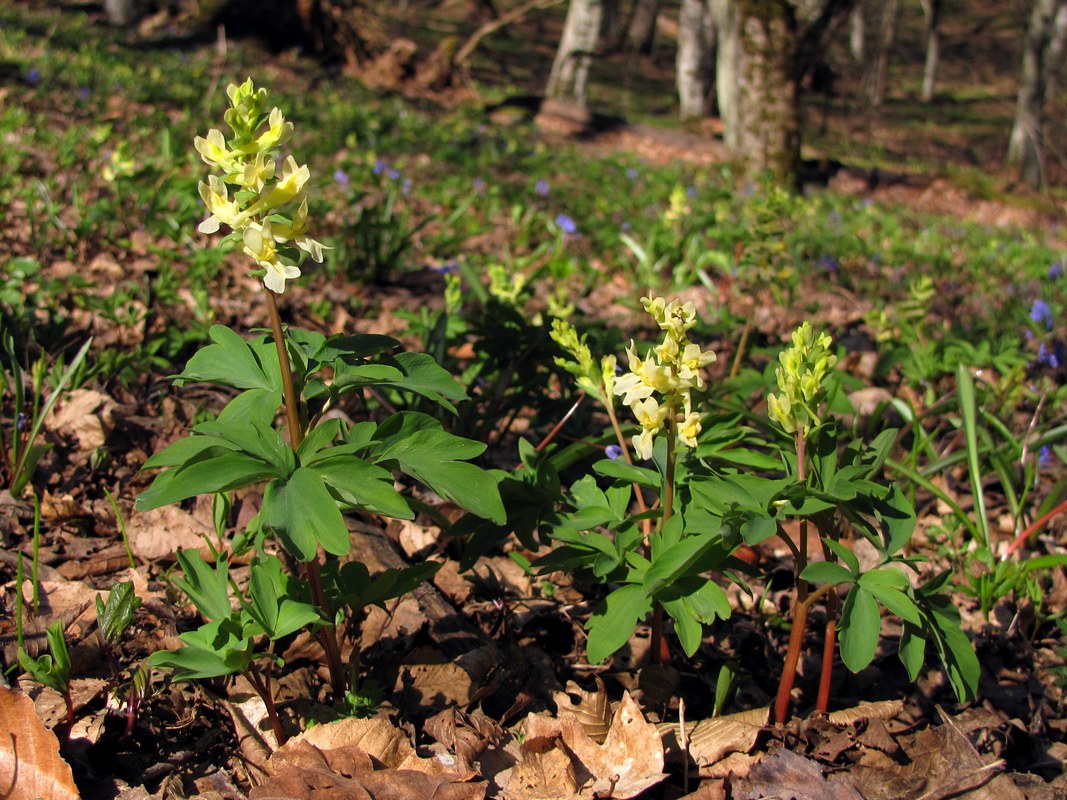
[435, 686]
[593, 709]
[629, 761]
[301, 771]
[78, 414]
[783, 773]
[883, 710]
[712, 739]
[30, 764]
[465, 736]
[161, 532]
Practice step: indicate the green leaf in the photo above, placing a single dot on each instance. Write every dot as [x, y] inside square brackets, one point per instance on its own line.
[844, 552]
[826, 572]
[424, 376]
[207, 587]
[115, 616]
[276, 614]
[212, 650]
[304, 515]
[968, 404]
[318, 440]
[253, 439]
[627, 472]
[758, 527]
[426, 452]
[366, 375]
[689, 630]
[955, 650]
[675, 562]
[365, 485]
[231, 361]
[898, 519]
[186, 449]
[890, 587]
[359, 346]
[219, 473]
[614, 621]
[860, 629]
[912, 650]
[359, 589]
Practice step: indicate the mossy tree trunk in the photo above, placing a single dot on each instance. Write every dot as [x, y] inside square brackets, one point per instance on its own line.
[768, 119]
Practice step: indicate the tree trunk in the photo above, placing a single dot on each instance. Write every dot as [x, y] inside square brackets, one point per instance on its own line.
[932, 9]
[611, 28]
[641, 31]
[570, 70]
[122, 12]
[696, 46]
[857, 35]
[1026, 145]
[727, 85]
[881, 22]
[769, 124]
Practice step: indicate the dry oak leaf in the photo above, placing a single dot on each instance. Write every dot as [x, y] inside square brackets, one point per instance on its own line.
[783, 773]
[78, 414]
[629, 761]
[304, 772]
[30, 764]
[378, 738]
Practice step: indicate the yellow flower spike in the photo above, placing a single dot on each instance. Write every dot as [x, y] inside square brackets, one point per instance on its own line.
[277, 133]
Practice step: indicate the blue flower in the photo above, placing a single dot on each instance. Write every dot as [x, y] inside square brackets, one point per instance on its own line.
[446, 268]
[379, 167]
[33, 76]
[1044, 457]
[341, 177]
[478, 184]
[405, 187]
[631, 173]
[1055, 271]
[542, 188]
[1041, 313]
[613, 451]
[828, 263]
[393, 174]
[84, 93]
[566, 224]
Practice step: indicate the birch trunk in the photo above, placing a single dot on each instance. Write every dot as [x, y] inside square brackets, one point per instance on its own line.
[696, 46]
[570, 70]
[932, 9]
[727, 85]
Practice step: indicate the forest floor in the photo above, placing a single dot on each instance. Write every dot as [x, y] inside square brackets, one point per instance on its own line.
[477, 684]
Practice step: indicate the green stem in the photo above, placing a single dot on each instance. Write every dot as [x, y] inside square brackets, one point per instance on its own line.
[802, 544]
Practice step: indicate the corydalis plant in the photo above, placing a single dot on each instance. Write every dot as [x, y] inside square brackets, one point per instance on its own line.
[658, 387]
[296, 578]
[248, 161]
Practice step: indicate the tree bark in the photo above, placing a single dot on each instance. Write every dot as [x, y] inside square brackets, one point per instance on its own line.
[932, 9]
[570, 70]
[881, 22]
[727, 86]
[769, 123]
[641, 32]
[696, 47]
[1026, 144]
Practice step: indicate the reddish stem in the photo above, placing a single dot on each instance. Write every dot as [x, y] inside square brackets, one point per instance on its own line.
[1033, 528]
[822, 702]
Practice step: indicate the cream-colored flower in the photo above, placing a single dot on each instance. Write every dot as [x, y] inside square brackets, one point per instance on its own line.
[287, 189]
[689, 429]
[213, 151]
[645, 377]
[259, 244]
[651, 416]
[691, 361]
[222, 209]
[255, 173]
[297, 234]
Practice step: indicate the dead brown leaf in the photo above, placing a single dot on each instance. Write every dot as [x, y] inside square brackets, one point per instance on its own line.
[783, 773]
[30, 764]
[629, 761]
[452, 683]
[712, 739]
[302, 771]
[85, 413]
[592, 710]
[465, 736]
[161, 532]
